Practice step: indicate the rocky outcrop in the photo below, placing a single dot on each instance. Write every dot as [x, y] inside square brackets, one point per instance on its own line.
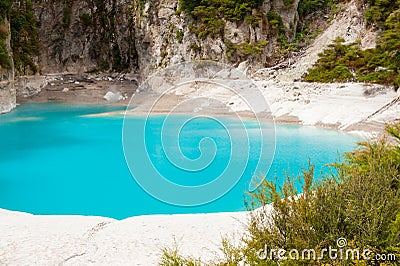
[126, 35]
[7, 90]
[82, 36]
[164, 35]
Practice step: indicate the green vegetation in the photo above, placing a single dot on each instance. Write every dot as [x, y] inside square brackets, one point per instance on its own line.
[67, 12]
[86, 19]
[342, 63]
[379, 65]
[358, 201]
[211, 14]
[380, 10]
[275, 22]
[179, 35]
[307, 7]
[4, 57]
[5, 7]
[243, 51]
[104, 47]
[24, 38]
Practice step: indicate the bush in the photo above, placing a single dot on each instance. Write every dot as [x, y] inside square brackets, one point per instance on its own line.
[211, 14]
[380, 10]
[309, 6]
[343, 63]
[358, 201]
[179, 35]
[24, 38]
[243, 51]
[5, 7]
[85, 19]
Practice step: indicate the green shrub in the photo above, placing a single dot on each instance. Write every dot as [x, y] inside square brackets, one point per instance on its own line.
[195, 47]
[244, 50]
[288, 3]
[380, 10]
[358, 201]
[189, 5]
[85, 19]
[5, 7]
[171, 257]
[211, 15]
[179, 35]
[309, 6]
[253, 20]
[275, 21]
[4, 59]
[24, 38]
[342, 63]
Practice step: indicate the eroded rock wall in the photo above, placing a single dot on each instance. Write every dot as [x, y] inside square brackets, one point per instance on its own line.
[7, 90]
[164, 35]
[81, 36]
[145, 35]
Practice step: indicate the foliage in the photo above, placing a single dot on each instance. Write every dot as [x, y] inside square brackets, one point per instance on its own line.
[309, 12]
[211, 22]
[85, 19]
[171, 257]
[378, 65]
[5, 7]
[189, 5]
[4, 56]
[380, 10]
[288, 2]
[341, 63]
[211, 14]
[179, 35]
[390, 41]
[243, 51]
[309, 6]
[358, 201]
[24, 38]
[67, 12]
[275, 21]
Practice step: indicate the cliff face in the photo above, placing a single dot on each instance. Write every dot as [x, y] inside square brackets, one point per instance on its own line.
[165, 35]
[144, 35]
[7, 90]
[81, 36]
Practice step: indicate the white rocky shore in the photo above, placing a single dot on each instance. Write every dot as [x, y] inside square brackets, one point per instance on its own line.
[77, 240]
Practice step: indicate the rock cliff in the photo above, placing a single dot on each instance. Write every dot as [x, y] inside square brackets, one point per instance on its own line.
[82, 36]
[165, 35]
[138, 36]
[7, 90]
[144, 35]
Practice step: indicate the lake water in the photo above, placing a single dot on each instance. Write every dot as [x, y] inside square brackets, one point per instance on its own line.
[56, 160]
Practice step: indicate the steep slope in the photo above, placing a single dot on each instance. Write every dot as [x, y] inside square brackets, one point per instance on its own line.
[7, 90]
[80, 36]
[125, 35]
[349, 23]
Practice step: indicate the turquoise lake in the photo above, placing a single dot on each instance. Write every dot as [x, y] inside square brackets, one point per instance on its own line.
[56, 160]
